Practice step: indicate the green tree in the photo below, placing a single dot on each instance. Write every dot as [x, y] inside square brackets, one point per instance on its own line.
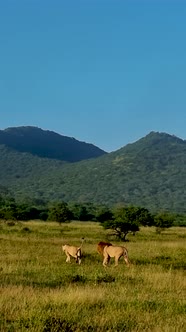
[9, 211]
[104, 214]
[83, 212]
[125, 220]
[26, 212]
[163, 220]
[142, 216]
[60, 213]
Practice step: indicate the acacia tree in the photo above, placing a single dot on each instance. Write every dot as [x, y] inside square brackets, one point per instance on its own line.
[128, 219]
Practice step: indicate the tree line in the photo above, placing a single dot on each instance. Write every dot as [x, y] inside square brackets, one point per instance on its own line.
[120, 219]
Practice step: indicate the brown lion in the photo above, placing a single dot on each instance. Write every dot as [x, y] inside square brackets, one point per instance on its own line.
[117, 252]
[101, 245]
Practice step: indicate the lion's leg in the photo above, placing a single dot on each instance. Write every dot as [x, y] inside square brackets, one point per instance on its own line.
[116, 260]
[106, 259]
[68, 257]
[126, 260]
[78, 259]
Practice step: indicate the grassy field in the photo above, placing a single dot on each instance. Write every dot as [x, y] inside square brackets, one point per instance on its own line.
[39, 291]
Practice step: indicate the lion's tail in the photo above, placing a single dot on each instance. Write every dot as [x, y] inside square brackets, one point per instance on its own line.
[82, 241]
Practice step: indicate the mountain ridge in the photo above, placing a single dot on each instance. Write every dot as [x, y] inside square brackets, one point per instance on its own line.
[150, 172]
[48, 144]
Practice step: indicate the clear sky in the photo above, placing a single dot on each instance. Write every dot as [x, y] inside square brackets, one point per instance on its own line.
[105, 72]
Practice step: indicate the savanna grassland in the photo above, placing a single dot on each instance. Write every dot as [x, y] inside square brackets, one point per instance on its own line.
[39, 291]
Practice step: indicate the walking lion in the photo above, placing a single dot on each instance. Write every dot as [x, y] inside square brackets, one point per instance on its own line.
[72, 251]
[115, 251]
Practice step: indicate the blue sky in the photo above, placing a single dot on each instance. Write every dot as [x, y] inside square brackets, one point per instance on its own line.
[106, 72]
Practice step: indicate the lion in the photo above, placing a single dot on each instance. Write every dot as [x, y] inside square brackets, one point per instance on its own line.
[116, 252]
[72, 251]
[101, 245]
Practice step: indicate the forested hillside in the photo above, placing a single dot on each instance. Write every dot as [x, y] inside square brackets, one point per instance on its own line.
[150, 172]
[47, 144]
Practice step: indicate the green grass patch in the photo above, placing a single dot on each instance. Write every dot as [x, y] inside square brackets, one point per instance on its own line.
[39, 291]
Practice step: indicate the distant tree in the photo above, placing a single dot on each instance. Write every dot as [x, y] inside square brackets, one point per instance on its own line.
[82, 212]
[60, 213]
[104, 214]
[26, 212]
[125, 220]
[142, 216]
[13, 211]
[43, 215]
[9, 211]
[163, 220]
[179, 220]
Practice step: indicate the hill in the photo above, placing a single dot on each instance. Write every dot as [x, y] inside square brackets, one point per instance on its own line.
[48, 144]
[150, 172]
